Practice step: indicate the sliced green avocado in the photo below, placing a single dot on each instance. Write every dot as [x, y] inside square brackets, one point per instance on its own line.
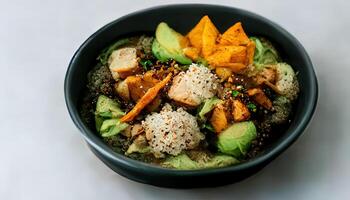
[265, 52]
[159, 52]
[236, 139]
[171, 40]
[108, 108]
[112, 127]
[139, 145]
[183, 162]
[208, 105]
[221, 161]
[98, 122]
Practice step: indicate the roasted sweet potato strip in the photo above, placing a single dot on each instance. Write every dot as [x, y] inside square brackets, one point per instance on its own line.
[146, 99]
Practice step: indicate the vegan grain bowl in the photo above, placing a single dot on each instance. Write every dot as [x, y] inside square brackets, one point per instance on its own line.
[194, 100]
[201, 100]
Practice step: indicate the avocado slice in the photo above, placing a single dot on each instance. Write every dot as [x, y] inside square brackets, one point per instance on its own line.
[236, 139]
[265, 53]
[184, 162]
[221, 161]
[112, 127]
[208, 105]
[139, 145]
[181, 161]
[108, 108]
[172, 42]
[160, 52]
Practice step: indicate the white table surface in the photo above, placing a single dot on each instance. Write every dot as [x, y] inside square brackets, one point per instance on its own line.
[43, 155]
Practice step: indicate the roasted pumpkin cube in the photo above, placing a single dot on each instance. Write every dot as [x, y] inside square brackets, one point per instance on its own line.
[210, 34]
[235, 67]
[195, 35]
[250, 52]
[240, 112]
[223, 72]
[235, 35]
[192, 53]
[218, 57]
[260, 97]
[218, 119]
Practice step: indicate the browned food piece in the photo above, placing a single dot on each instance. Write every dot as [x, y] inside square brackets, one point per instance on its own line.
[240, 112]
[154, 105]
[122, 90]
[123, 62]
[260, 97]
[135, 87]
[138, 86]
[180, 93]
[194, 86]
[267, 74]
[136, 129]
[218, 119]
[235, 35]
[150, 95]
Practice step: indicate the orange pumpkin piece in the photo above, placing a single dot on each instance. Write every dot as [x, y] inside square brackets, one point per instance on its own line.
[210, 34]
[218, 119]
[195, 35]
[235, 67]
[238, 53]
[235, 35]
[192, 53]
[228, 54]
[223, 72]
[250, 52]
[218, 57]
[240, 112]
[260, 97]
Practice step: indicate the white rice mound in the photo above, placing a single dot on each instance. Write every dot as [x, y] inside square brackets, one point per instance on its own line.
[201, 81]
[172, 131]
[197, 84]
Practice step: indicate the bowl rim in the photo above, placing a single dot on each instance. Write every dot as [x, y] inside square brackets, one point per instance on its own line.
[135, 165]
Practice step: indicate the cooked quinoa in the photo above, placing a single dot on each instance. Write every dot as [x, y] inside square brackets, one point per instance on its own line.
[171, 131]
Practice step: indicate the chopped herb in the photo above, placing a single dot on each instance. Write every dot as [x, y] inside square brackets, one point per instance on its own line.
[235, 93]
[251, 107]
[146, 64]
[209, 127]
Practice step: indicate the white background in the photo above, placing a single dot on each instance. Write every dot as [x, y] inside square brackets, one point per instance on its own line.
[42, 155]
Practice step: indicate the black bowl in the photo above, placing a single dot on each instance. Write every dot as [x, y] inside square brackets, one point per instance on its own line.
[182, 18]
